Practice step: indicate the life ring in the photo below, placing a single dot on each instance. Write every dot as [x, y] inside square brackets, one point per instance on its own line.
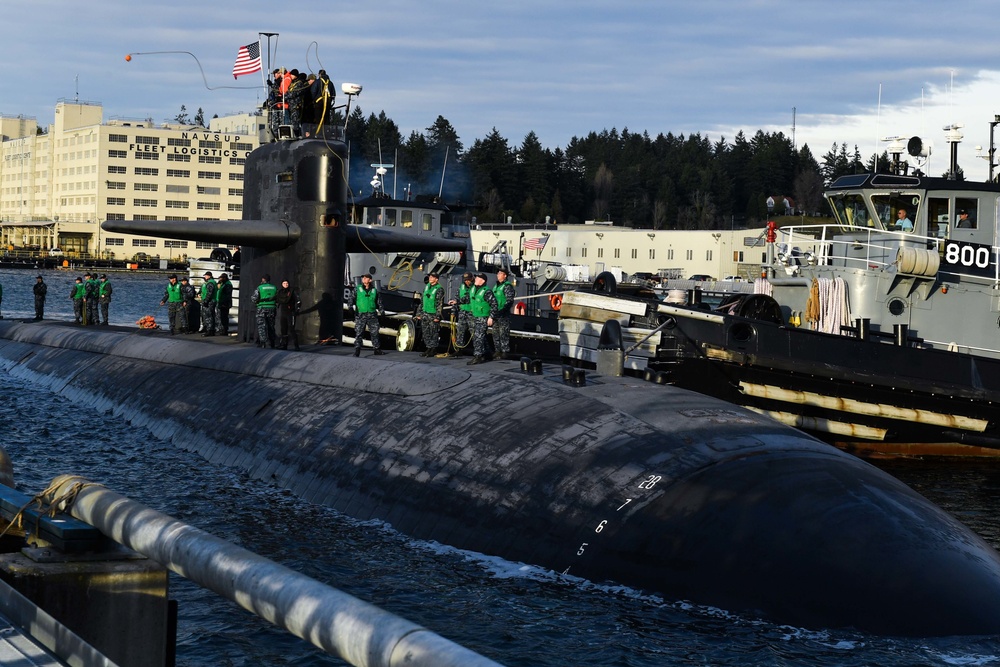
[555, 301]
[519, 308]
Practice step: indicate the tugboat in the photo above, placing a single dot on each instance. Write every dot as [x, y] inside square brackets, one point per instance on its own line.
[879, 331]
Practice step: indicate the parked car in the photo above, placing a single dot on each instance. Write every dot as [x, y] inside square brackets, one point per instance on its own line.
[701, 277]
[735, 279]
[55, 252]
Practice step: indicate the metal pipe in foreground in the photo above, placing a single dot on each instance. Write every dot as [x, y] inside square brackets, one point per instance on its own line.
[340, 624]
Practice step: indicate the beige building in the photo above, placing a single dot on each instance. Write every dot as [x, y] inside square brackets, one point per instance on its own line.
[57, 187]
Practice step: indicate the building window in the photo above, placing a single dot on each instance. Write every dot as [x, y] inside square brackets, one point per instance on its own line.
[175, 244]
[737, 255]
[569, 252]
[210, 144]
[708, 255]
[147, 171]
[600, 253]
[652, 253]
[209, 159]
[237, 161]
[178, 173]
[115, 216]
[173, 203]
[145, 203]
[174, 141]
[618, 253]
[151, 141]
[583, 252]
[209, 175]
[235, 192]
[112, 241]
[145, 216]
[635, 253]
[670, 254]
[118, 138]
[145, 187]
[178, 157]
[236, 207]
[183, 189]
[208, 206]
[690, 255]
[202, 190]
[203, 245]
[116, 201]
[118, 154]
[237, 146]
[236, 177]
[117, 169]
[143, 243]
[143, 155]
[116, 185]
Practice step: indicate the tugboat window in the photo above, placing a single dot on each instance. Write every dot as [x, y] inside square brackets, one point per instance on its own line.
[970, 207]
[888, 208]
[406, 218]
[850, 211]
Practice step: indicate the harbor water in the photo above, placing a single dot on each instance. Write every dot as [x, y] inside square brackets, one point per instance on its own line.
[513, 613]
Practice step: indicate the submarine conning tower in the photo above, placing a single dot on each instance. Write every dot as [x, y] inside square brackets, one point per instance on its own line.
[302, 183]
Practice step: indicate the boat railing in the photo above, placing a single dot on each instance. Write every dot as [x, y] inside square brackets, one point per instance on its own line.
[866, 248]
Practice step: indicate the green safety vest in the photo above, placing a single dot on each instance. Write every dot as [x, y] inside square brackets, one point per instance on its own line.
[463, 292]
[365, 299]
[266, 293]
[430, 293]
[105, 288]
[499, 293]
[205, 290]
[174, 293]
[78, 290]
[480, 306]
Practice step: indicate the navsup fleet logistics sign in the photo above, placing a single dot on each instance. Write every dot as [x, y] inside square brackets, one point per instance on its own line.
[974, 259]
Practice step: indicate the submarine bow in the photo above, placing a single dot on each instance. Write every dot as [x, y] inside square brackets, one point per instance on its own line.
[620, 480]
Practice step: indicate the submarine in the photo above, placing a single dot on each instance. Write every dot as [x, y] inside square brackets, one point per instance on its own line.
[605, 477]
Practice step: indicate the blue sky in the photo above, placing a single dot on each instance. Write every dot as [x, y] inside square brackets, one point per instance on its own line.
[558, 68]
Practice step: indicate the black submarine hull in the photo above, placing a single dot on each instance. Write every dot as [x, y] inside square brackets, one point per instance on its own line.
[646, 485]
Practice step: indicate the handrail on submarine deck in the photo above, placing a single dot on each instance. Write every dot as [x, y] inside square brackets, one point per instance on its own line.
[338, 623]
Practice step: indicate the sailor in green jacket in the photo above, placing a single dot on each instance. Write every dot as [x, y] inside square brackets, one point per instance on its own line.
[431, 309]
[104, 297]
[463, 319]
[208, 303]
[484, 310]
[264, 297]
[76, 293]
[504, 293]
[367, 309]
[174, 298]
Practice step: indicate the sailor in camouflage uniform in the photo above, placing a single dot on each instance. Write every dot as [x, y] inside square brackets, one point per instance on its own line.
[187, 303]
[484, 310]
[104, 298]
[208, 301]
[367, 309]
[504, 293]
[91, 293]
[431, 310]
[265, 298]
[463, 321]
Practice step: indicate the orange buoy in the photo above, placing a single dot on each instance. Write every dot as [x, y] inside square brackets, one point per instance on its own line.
[128, 58]
[555, 301]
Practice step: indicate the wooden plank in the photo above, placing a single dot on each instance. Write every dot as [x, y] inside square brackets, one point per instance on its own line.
[592, 342]
[633, 334]
[605, 302]
[635, 363]
[577, 312]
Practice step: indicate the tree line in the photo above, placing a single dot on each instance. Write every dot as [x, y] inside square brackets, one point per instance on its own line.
[634, 180]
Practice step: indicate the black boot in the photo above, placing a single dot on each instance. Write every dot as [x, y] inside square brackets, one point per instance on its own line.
[378, 353]
[357, 352]
[476, 360]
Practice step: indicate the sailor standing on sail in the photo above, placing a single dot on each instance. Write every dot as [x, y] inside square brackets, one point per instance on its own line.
[431, 310]
[208, 303]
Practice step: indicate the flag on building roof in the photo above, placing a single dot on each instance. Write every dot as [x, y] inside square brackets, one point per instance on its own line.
[247, 60]
[535, 244]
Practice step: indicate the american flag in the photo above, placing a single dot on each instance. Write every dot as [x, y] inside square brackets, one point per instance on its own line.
[247, 60]
[535, 244]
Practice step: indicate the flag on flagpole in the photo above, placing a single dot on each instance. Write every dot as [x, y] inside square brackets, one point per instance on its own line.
[247, 60]
[535, 244]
